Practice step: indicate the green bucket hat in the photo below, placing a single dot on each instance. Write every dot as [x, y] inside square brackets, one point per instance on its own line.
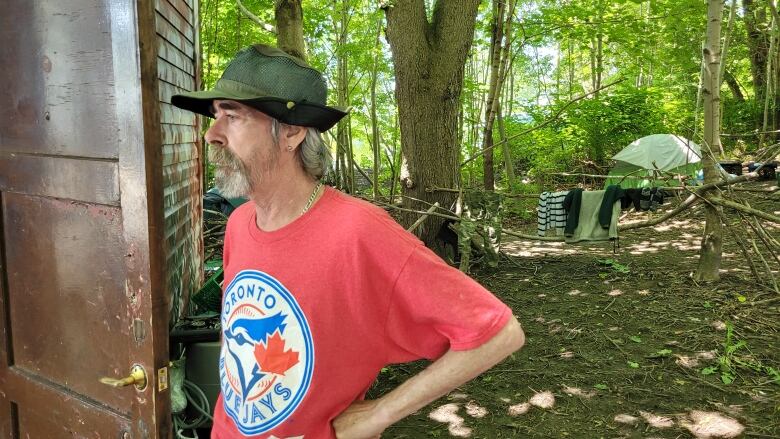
[272, 81]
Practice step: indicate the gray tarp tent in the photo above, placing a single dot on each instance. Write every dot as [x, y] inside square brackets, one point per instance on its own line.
[647, 161]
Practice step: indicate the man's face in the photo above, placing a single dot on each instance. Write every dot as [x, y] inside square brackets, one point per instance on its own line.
[241, 147]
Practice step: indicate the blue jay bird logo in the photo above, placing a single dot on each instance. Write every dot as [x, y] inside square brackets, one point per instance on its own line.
[253, 332]
[267, 358]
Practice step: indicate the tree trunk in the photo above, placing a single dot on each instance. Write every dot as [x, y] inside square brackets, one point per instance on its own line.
[429, 60]
[289, 27]
[496, 37]
[726, 41]
[755, 18]
[375, 142]
[731, 81]
[508, 162]
[769, 89]
[712, 243]
[500, 45]
[342, 94]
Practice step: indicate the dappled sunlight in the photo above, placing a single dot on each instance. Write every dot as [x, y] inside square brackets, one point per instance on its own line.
[576, 391]
[711, 425]
[448, 414]
[678, 225]
[691, 361]
[528, 248]
[615, 293]
[519, 409]
[656, 421]
[543, 400]
[626, 419]
[717, 324]
[703, 425]
[475, 410]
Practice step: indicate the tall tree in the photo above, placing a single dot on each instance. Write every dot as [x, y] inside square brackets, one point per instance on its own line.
[503, 12]
[289, 27]
[429, 58]
[755, 17]
[712, 243]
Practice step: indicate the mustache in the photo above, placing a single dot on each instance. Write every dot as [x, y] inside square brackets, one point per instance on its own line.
[225, 157]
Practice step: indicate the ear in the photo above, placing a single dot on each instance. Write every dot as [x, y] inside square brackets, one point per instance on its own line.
[293, 136]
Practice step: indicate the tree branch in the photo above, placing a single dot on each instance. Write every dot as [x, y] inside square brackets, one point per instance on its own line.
[265, 26]
[749, 210]
[557, 114]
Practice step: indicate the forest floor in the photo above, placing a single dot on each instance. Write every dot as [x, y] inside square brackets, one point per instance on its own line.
[621, 345]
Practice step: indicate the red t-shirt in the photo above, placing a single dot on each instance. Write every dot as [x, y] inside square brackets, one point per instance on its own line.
[311, 313]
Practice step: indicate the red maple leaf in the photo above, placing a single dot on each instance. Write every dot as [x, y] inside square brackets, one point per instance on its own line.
[272, 357]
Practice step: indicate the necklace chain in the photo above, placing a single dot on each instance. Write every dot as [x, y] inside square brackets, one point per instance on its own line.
[312, 197]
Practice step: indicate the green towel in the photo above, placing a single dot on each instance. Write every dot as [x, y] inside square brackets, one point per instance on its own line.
[612, 195]
[589, 228]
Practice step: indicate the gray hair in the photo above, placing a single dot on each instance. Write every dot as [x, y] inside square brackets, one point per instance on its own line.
[313, 155]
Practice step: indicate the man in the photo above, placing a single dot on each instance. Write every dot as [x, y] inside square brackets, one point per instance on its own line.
[323, 290]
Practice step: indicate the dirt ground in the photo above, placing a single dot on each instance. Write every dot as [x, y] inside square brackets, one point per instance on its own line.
[621, 345]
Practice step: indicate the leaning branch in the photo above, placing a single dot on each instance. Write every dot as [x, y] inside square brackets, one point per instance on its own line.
[690, 201]
[541, 125]
[265, 26]
[742, 208]
[423, 218]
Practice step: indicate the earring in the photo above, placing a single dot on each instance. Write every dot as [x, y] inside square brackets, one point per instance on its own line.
[289, 148]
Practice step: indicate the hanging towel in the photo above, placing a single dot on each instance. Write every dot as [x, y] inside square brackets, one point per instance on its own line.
[613, 194]
[571, 204]
[588, 227]
[550, 213]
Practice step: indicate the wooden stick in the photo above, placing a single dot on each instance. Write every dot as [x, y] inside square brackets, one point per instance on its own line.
[637, 177]
[533, 237]
[390, 206]
[749, 210]
[423, 217]
[457, 191]
[738, 239]
[690, 201]
[766, 265]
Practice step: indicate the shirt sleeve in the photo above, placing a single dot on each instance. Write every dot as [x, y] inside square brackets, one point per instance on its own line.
[436, 308]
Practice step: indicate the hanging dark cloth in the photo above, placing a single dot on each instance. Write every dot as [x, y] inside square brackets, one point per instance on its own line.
[571, 204]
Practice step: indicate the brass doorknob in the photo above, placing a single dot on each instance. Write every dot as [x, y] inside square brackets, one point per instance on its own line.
[137, 378]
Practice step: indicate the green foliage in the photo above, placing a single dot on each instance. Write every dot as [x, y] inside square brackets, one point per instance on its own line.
[620, 268]
[655, 46]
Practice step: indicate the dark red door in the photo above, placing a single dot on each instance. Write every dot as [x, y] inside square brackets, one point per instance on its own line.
[82, 292]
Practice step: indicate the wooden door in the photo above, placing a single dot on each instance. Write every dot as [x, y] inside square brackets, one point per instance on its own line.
[82, 259]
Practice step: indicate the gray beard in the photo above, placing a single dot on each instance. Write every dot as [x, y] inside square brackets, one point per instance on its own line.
[230, 176]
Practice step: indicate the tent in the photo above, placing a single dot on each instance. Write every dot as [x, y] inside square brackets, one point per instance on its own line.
[649, 160]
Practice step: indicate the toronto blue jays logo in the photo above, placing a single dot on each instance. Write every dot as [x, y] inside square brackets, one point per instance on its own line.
[267, 357]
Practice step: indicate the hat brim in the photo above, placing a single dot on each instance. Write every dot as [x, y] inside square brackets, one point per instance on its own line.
[307, 114]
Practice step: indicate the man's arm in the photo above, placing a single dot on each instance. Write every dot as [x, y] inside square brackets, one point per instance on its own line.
[368, 419]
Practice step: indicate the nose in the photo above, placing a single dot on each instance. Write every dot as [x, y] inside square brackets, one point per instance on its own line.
[214, 135]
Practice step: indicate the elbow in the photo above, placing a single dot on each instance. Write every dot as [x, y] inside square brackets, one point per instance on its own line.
[516, 336]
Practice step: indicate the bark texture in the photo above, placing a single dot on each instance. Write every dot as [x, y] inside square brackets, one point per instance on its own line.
[289, 27]
[755, 17]
[712, 242]
[429, 59]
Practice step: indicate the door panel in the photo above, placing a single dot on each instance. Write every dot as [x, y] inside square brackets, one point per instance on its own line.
[63, 290]
[52, 412]
[52, 176]
[82, 264]
[62, 103]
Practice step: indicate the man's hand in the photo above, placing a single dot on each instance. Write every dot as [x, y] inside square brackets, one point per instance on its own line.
[361, 420]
